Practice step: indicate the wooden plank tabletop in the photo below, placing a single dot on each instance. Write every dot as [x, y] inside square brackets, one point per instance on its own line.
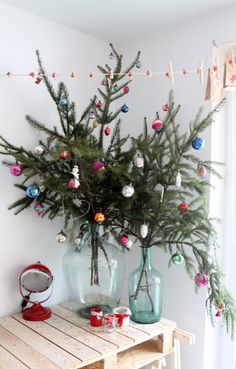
[67, 341]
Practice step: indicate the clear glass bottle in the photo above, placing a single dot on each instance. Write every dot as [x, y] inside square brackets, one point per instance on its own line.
[94, 276]
[145, 291]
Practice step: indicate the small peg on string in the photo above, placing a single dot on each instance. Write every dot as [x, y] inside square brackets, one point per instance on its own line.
[200, 71]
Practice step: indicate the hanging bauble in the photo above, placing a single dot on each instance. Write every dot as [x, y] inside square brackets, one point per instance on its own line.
[218, 314]
[95, 123]
[116, 87]
[128, 245]
[165, 107]
[221, 305]
[63, 102]
[32, 191]
[74, 184]
[177, 258]
[201, 279]
[16, 170]
[64, 155]
[143, 230]
[128, 191]
[107, 131]
[99, 104]
[99, 217]
[126, 89]
[178, 180]
[39, 208]
[39, 150]
[139, 162]
[61, 237]
[75, 172]
[98, 165]
[111, 56]
[157, 125]
[198, 143]
[77, 241]
[124, 109]
[184, 207]
[92, 115]
[202, 171]
[123, 239]
[138, 64]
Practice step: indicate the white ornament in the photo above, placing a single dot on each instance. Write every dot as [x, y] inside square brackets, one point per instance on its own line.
[178, 180]
[61, 237]
[144, 230]
[139, 162]
[129, 244]
[75, 172]
[128, 191]
[77, 241]
[39, 150]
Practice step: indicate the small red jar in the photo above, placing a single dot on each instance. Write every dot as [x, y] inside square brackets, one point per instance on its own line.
[96, 316]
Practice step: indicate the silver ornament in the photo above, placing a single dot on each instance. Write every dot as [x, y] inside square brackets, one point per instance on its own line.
[77, 241]
[178, 180]
[75, 172]
[61, 237]
[144, 230]
[128, 191]
[39, 150]
[139, 162]
[111, 56]
[129, 244]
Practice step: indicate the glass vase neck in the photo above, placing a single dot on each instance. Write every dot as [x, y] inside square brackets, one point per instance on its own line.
[146, 257]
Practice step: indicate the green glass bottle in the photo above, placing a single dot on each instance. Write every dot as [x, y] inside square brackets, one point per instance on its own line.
[145, 291]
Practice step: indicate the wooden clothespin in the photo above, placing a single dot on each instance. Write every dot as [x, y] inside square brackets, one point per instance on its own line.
[200, 71]
[111, 75]
[170, 73]
[130, 74]
[91, 75]
[232, 56]
[149, 73]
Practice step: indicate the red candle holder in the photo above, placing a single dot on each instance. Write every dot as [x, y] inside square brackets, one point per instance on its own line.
[96, 317]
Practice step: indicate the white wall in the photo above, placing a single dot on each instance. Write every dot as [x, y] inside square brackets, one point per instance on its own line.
[184, 44]
[26, 238]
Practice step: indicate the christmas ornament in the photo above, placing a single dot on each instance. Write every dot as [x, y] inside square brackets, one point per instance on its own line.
[144, 230]
[38, 80]
[74, 184]
[111, 56]
[116, 87]
[99, 104]
[201, 279]
[139, 162]
[202, 171]
[63, 102]
[129, 245]
[32, 191]
[39, 150]
[221, 305]
[39, 208]
[95, 123]
[165, 107]
[104, 82]
[198, 143]
[107, 131]
[99, 217]
[138, 64]
[218, 314]
[77, 241]
[124, 109]
[16, 170]
[184, 207]
[61, 237]
[75, 172]
[65, 155]
[98, 165]
[178, 180]
[123, 239]
[126, 89]
[128, 191]
[157, 125]
[92, 115]
[177, 258]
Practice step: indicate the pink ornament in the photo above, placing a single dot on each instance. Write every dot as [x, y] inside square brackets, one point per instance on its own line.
[202, 171]
[201, 279]
[218, 314]
[157, 125]
[123, 239]
[107, 131]
[74, 184]
[126, 89]
[99, 104]
[31, 74]
[16, 170]
[165, 107]
[98, 165]
[39, 208]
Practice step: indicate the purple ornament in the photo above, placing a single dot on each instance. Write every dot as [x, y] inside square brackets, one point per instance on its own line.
[201, 279]
[98, 165]
[16, 170]
[92, 115]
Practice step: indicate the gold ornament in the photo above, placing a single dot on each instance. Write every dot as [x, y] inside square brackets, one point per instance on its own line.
[99, 217]
[95, 123]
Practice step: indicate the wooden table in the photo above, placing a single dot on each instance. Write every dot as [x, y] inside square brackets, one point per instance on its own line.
[67, 341]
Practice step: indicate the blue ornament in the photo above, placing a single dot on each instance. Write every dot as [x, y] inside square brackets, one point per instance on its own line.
[124, 109]
[198, 143]
[63, 101]
[32, 191]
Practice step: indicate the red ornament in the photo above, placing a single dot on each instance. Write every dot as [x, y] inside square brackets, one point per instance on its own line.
[64, 155]
[201, 279]
[218, 314]
[221, 305]
[202, 171]
[38, 80]
[126, 89]
[99, 104]
[107, 131]
[165, 107]
[74, 184]
[184, 207]
[123, 239]
[157, 125]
